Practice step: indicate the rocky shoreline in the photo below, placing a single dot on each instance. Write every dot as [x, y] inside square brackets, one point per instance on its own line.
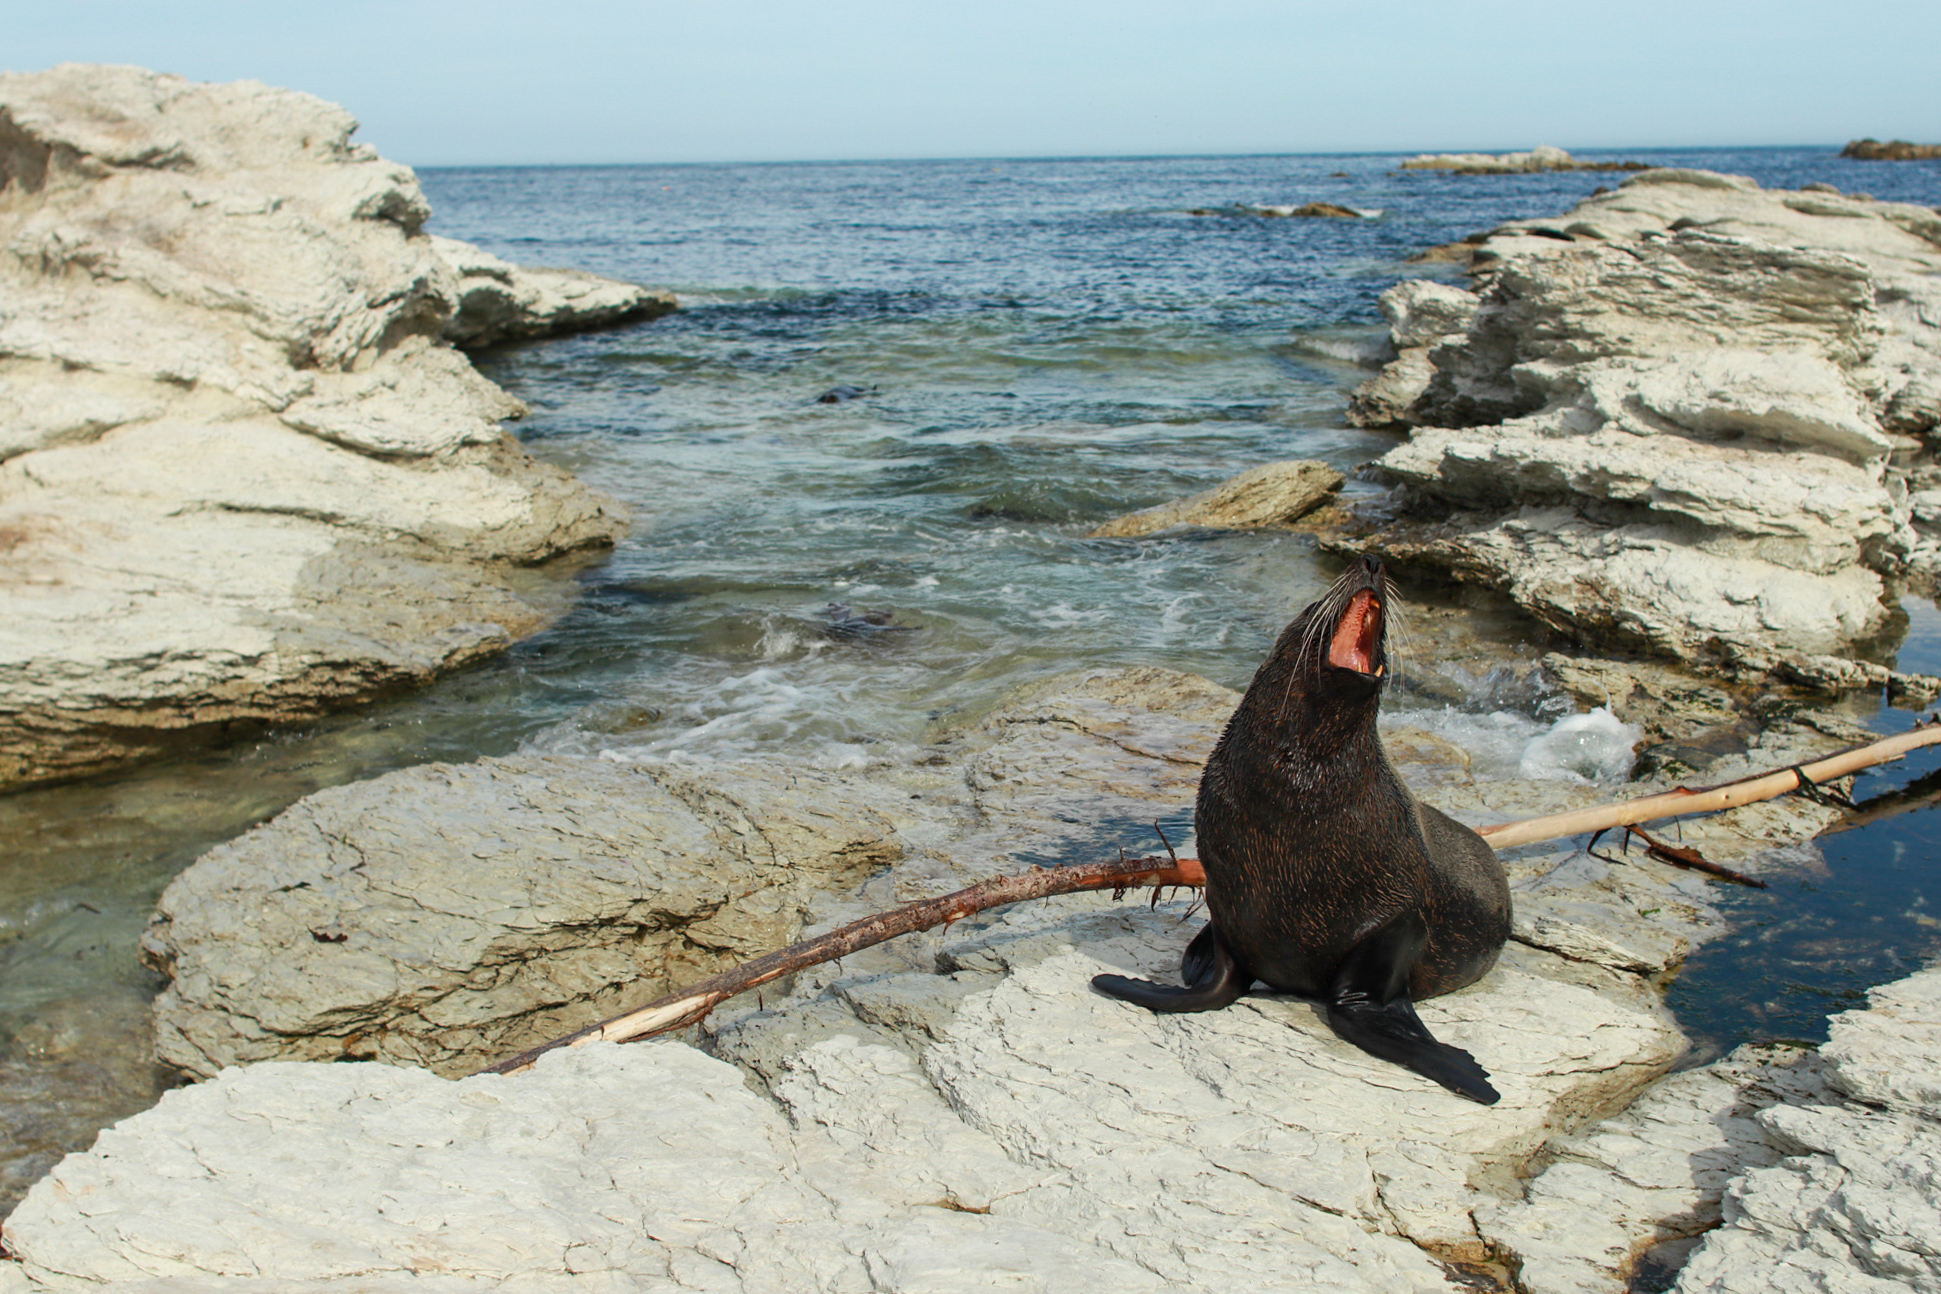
[948, 1109]
[242, 478]
[958, 1110]
[1689, 418]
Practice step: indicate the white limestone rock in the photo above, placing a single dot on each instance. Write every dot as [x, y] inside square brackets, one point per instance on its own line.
[1883, 1055]
[402, 918]
[607, 1168]
[1642, 1186]
[1421, 312]
[1052, 1139]
[444, 914]
[1661, 588]
[1544, 157]
[1818, 515]
[1774, 1169]
[949, 1111]
[1665, 426]
[499, 301]
[240, 478]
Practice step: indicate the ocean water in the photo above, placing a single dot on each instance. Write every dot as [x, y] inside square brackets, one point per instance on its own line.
[1029, 347]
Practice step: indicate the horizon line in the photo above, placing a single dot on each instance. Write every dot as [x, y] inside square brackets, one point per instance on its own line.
[1134, 157]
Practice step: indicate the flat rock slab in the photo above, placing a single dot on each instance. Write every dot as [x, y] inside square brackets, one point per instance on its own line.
[1773, 1170]
[1273, 494]
[1052, 1139]
[440, 914]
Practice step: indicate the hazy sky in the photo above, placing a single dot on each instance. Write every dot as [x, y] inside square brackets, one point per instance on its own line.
[436, 82]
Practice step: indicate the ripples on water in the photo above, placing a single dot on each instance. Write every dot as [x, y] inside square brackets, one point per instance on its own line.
[1039, 345]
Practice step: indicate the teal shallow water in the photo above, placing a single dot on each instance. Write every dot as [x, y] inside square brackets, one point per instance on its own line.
[1039, 345]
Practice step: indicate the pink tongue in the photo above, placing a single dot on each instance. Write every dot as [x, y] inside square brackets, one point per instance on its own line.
[1355, 637]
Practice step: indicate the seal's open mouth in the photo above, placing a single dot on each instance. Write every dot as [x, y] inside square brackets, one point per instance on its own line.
[1358, 636]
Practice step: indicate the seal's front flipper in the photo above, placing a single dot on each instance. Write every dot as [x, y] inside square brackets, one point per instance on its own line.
[1213, 979]
[1369, 1006]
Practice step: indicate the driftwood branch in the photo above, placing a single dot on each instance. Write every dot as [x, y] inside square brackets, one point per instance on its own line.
[1710, 799]
[692, 1004]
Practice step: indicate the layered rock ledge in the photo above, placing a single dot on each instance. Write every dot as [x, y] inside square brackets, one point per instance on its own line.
[1688, 418]
[241, 477]
[947, 1110]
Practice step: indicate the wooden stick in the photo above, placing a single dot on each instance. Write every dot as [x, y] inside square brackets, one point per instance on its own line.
[1709, 799]
[692, 1004]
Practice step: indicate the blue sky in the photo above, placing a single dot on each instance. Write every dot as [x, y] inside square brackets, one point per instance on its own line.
[575, 81]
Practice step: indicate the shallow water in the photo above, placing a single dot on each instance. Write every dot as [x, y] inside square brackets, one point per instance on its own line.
[1038, 345]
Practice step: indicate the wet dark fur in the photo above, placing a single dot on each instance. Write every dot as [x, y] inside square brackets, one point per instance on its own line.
[1325, 876]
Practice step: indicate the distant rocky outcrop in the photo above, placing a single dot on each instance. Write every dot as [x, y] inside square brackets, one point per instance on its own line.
[1894, 150]
[1667, 420]
[1541, 158]
[1273, 494]
[241, 478]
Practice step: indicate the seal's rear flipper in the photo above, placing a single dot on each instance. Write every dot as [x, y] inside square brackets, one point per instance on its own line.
[1213, 980]
[1370, 1008]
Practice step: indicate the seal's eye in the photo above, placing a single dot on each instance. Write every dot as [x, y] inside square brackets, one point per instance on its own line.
[1358, 636]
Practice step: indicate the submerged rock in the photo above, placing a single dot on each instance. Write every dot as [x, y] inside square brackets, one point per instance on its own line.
[1272, 494]
[1663, 422]
[240, 477]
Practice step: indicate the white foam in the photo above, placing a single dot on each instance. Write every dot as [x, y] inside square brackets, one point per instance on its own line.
[1368, 351]
[1495, 739]
[1593, 747]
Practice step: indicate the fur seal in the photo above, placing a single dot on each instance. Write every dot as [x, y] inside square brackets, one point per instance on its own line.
[1324, 876]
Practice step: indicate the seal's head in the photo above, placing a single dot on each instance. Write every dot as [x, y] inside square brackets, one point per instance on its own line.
[1324, 680]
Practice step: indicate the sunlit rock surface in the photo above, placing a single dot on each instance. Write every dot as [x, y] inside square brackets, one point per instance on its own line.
[956, 1109]
[499, 301]
[1774, 1169]
[1663, 421]
[1273, 494]
[240, 476]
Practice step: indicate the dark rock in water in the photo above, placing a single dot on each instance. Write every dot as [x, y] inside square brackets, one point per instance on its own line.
[841, 394]
[846, 622]
[1894, 150]
[1327, 210]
